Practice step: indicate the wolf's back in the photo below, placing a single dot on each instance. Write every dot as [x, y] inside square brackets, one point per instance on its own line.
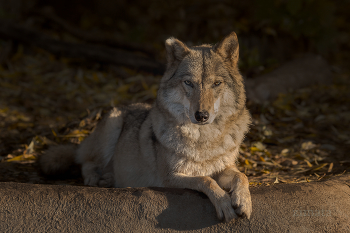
[58, 160]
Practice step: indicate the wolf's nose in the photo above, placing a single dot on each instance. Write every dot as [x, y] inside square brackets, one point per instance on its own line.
[201, 116]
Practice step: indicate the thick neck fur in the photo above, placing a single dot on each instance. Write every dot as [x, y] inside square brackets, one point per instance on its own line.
[176, 103]
[200, 142]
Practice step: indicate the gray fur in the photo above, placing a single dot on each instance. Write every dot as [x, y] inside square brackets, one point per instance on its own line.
[164, 145]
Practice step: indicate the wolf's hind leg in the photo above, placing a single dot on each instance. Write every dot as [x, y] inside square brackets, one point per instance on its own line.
[90, 174]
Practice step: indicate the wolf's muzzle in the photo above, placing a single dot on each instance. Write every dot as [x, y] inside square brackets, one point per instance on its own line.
[201, 116]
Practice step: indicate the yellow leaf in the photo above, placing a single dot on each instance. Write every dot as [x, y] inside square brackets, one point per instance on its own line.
[77, 133]
[319, 167]
[267, 153]
[330, 167]
[82, 123]
[308, 163]
[254, 149]
[54, 133]
[21, 158]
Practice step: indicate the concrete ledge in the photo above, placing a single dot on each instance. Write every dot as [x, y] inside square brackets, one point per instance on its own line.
[307, 207]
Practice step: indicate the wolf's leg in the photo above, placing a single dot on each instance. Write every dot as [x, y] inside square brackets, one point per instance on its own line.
[236, 183]
[207, 185]
[106, 180]
[90, 175]
[107, 176]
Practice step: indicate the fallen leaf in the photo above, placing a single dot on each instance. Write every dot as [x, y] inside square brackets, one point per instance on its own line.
[308, 145]
[319, 167]
[330, 167]
[308, 163]
[20, 158]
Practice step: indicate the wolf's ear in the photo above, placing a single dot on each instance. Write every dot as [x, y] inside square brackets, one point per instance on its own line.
[176, 50]
[228, 49]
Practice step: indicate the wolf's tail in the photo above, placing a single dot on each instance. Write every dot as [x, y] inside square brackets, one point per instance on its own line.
[58, 160]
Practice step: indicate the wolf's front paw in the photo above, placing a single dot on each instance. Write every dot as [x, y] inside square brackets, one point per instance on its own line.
[241, 201]
[224, 208]
[91, 180]
[106, 180]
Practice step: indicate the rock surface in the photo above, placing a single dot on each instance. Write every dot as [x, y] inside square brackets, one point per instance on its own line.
[302, 72]
[305, 207]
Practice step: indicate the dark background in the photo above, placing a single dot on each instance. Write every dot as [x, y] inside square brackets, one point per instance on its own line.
[55, 83]
[270, 31]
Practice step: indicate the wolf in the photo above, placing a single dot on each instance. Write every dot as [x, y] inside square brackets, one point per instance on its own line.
[189, 138]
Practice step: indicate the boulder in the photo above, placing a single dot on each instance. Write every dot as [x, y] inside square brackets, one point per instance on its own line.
[300, 207]
[305, 71]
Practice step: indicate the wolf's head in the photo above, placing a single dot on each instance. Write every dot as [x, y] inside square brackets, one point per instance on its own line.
[202, 82]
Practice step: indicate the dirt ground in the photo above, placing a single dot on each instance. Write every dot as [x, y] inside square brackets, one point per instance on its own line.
[302, 136]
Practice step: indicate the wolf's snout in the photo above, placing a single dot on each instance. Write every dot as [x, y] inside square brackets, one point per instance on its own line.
[201, 116]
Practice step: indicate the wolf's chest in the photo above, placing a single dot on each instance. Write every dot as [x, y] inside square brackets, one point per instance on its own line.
[188, 166]
[199, 145]
[199, 150]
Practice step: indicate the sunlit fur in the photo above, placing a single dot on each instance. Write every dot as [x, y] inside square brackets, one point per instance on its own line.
[164, 145]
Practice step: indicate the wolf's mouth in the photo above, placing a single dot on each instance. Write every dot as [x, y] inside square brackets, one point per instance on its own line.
[201, 123]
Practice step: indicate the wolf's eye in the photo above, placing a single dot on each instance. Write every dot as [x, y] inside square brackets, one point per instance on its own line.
[188, 83]
[217, 83]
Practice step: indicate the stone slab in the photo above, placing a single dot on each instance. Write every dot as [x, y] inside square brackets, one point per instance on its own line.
[304, 207]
